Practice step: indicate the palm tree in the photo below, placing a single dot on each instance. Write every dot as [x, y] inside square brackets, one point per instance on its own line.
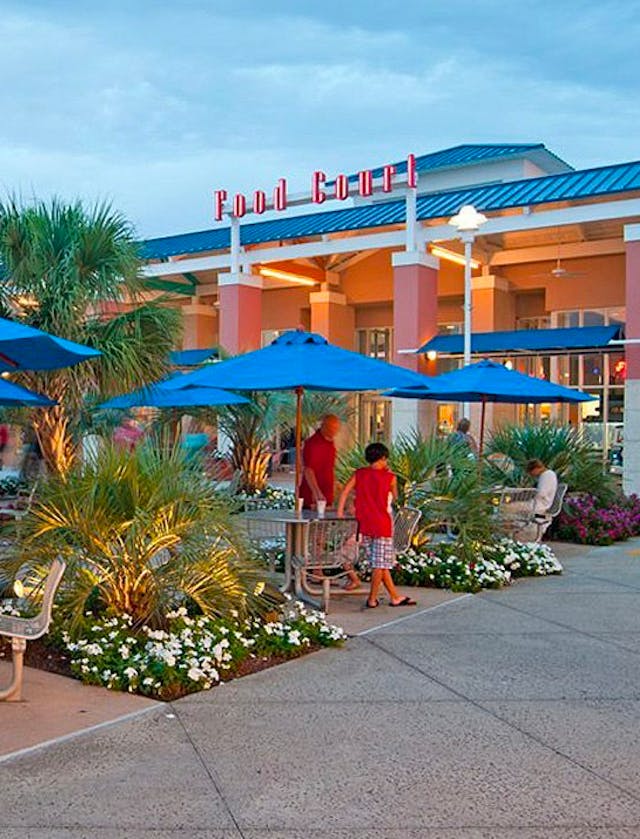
[63, 267]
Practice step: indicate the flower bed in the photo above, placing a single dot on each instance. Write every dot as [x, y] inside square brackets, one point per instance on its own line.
[271, 498]
[193, 653]
[585, 521]
[492, 566]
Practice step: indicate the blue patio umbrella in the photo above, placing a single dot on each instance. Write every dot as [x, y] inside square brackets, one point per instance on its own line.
[302, 361]
[13, 394]
[487, 381]
[158, 396]
[26, 348]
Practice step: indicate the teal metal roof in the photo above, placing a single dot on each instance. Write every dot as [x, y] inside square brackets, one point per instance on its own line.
[468, 155]
[567, 186]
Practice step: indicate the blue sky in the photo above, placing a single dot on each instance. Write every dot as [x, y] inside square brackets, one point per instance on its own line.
[153, 105]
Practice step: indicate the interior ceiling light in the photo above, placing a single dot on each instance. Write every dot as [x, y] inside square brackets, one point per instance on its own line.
[274, 274]
[451, 256]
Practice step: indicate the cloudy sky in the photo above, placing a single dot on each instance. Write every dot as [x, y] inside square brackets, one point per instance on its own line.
[152, 104]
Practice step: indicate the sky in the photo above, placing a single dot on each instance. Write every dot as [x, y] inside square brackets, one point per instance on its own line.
[153, 105]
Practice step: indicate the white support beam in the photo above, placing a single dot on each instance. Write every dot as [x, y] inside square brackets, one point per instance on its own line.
[351, 244]
[603, 211]
[546, 253]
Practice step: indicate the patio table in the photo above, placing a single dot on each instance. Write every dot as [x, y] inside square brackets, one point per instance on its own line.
[295, 528]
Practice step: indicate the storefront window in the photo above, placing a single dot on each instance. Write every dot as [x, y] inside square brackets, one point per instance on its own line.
[374, 420]
[568, 319]
[374, 413]
[616, 405]
[593, 318]
[375, 343]
[592, 370]
[617, 369]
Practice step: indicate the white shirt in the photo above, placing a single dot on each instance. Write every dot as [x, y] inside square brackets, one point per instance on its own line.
[546, 488]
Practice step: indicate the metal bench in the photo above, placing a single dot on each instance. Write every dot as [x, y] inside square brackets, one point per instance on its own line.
[21, 630]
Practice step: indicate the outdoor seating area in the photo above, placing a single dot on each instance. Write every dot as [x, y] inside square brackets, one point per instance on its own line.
[454, 525]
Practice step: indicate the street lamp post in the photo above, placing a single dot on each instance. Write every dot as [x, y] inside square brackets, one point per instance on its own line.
[467, 222]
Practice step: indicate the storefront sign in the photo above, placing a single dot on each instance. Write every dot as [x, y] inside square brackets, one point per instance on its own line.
[340, 189]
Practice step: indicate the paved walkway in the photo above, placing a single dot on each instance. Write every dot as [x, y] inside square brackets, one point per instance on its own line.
[508, 714]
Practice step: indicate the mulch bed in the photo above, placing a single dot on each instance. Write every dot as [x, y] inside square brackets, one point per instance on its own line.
[43, 656]
[40, 655]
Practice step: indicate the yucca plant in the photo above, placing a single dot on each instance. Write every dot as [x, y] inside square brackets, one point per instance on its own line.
[251, 428]
[437, 476]
[62, 268]
[142, 532]
[565, 449]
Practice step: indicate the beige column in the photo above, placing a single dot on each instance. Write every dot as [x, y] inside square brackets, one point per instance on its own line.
[493, 310]
[240, 298]
[333, 317]
[200, 326]
[415, 314]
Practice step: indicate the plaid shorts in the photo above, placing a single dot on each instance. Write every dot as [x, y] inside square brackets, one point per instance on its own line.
[379, 551]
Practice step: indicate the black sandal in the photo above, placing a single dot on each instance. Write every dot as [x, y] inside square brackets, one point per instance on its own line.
[406, 601]
[372, 605]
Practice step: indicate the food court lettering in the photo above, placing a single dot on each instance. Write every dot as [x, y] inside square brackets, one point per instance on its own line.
[339, 189]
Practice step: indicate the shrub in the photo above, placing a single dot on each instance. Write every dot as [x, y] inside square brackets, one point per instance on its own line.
[565, 449]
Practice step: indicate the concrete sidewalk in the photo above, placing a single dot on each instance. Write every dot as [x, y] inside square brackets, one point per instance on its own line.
[513, 713]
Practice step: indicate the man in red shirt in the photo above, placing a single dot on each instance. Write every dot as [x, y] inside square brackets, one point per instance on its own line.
[319, 461]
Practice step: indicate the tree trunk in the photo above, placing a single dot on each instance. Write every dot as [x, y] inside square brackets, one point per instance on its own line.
[51, 426]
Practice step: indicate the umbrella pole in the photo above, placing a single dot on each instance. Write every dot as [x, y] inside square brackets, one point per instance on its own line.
[482, 417]
[299, 392]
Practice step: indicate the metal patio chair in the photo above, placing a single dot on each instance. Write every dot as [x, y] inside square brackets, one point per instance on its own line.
[405, 521]
[542, 522]
[21, 630]
[332, 545]
[514, 509]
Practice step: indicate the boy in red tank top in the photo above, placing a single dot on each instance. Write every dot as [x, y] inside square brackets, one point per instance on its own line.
[376, 486]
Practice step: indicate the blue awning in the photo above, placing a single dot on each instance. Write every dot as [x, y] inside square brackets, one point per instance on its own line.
[192, 358]
[527, 341]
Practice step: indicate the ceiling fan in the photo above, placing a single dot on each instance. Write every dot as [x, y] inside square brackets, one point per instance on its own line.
[559, 272]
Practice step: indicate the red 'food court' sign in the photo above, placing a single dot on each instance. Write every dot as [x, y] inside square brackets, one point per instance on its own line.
[340, 188]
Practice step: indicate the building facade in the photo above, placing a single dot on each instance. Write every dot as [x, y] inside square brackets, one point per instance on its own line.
[383, 273]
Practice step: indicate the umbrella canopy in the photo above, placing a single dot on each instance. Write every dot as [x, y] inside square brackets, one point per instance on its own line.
[25, 348]
[301, 361]
[13, 394]
[158, 396]
[487, 381]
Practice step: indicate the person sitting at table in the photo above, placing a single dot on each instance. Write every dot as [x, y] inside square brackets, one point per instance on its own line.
[319, 463]
[546, 488]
